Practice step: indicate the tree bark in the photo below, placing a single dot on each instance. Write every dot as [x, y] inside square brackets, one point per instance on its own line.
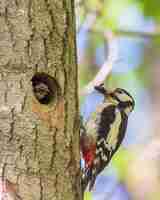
[39, 143]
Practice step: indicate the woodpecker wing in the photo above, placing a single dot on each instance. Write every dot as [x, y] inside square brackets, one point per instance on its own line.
[110, 133]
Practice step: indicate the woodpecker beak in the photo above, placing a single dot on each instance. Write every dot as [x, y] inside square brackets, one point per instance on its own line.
[104, 91]
[109, 93]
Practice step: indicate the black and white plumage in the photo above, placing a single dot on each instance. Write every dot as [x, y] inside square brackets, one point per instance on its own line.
[104, 132]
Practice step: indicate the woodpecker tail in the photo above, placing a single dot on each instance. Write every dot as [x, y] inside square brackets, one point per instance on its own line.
[88, 180]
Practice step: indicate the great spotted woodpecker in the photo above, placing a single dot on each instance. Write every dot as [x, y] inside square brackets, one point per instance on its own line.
[103, 132]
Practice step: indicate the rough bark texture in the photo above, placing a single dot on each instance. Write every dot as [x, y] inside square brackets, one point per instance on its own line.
[39, 144]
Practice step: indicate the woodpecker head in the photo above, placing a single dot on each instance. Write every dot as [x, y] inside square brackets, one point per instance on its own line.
[119, 97]
[122, 99]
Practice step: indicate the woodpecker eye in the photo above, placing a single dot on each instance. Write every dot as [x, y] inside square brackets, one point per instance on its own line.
[120, 92]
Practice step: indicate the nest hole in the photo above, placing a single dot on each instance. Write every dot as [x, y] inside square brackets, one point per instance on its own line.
[45, 88]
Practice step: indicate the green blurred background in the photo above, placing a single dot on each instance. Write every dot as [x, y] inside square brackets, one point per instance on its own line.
[134, 171]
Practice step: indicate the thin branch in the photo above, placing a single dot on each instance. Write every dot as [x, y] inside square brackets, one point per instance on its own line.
[113, 54]
[112, 49]
[130, 33]
[142, 34]
[107, 66]
[89, 22]
[125, 32]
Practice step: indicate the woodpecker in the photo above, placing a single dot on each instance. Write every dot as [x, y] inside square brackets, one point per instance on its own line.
[103, 132]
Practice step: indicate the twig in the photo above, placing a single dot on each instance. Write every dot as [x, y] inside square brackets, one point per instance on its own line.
[89, 21]
[107, 66]
[142, 34]
[131, 33]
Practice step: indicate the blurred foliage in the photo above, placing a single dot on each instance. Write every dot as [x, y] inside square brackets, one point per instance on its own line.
[151, 8]
[130, 20]
[87, 196]
[111, 9]
[109, 12]
[121, 162]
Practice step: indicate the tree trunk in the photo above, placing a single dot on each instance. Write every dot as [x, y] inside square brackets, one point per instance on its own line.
[39, 141]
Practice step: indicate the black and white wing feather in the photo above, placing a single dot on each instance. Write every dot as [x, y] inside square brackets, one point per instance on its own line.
[110, 133]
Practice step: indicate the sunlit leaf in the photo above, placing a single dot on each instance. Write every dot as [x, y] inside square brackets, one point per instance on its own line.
[87, 196]
[121, 162]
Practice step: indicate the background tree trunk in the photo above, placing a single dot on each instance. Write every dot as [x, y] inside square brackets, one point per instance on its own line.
[39, 144]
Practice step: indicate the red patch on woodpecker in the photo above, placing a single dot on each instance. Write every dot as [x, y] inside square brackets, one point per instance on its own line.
[88, 149]
[89, 155]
